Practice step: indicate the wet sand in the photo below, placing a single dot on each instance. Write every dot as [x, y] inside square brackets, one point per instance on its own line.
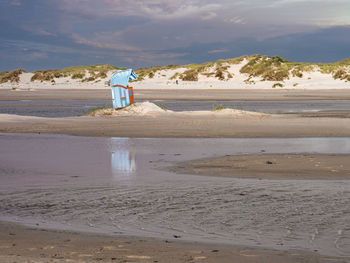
[28, 244]
[181, 125]
[271, 166]
[184, 125]
[33, 244]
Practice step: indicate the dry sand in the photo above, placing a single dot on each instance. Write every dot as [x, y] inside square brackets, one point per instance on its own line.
[32, 244]
[272, 166]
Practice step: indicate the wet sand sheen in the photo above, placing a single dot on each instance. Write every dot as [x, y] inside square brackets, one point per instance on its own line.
[272, 166]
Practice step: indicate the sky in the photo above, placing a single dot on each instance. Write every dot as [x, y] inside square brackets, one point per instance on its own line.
[51, 34]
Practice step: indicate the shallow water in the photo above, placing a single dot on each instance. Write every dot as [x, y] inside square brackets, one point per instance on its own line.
[116, 186]
[69, 108]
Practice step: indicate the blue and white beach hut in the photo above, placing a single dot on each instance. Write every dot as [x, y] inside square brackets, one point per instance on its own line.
[122, 94]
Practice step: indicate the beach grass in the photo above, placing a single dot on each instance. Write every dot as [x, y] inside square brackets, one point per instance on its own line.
[94, 72]
[267, 68]
[218, 108]
[93, 111]
[12, 76]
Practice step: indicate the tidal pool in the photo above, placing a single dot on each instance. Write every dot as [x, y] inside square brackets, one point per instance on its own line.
[118, 186]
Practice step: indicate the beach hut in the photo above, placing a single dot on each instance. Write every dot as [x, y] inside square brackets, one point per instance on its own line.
[122, 94]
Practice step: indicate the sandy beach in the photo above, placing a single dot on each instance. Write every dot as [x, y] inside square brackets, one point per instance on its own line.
[180, 125]
[174, 131]
[33, 244]
[271, 166]
[186, 124]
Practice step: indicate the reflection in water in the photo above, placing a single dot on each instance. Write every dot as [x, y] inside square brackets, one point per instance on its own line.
[122, 160]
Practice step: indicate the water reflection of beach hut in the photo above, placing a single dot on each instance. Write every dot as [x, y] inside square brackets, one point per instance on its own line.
[123, 162]
[122, 94]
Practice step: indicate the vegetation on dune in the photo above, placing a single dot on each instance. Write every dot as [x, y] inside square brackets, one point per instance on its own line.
[12, 76]
[95, 72]
[346, 61]
[268, 68]
[218, 108]
[150, 72]
[93, 111]
[220, 68]
[279, 69]
[280, 85]
[342, 74]
[258, 66]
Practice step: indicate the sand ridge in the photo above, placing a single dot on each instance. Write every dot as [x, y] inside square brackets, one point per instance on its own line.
[151, 109]
[271, 166]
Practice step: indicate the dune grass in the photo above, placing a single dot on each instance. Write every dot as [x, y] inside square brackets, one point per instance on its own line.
[93, 111]
[266, 68]
[279, 69]
[12, 76]
[150, 72]
[220, 68]
[95, 72]
[218, 108]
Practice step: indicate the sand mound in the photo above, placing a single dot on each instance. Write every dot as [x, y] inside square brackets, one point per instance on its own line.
[239, 112]
[151, 109]
[137, 109]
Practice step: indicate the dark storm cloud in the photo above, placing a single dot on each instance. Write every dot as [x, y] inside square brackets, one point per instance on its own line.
[39, 34]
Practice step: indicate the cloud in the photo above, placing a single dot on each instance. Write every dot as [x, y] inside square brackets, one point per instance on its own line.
[147, 32]
[81, 40]
[214, 51]
[15, 2]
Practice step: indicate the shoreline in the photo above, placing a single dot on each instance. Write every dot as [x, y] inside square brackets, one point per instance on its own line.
[181, 125]
[20, 243]
[175, 94]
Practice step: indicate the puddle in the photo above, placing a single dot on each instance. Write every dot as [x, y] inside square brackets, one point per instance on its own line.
[115, 185]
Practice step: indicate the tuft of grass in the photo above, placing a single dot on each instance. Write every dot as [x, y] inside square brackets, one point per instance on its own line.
[12, 76]
[175, 76]
[89, 79]
[268, 68]
[249, 81]
[78, 75]
[341, 74]
[161, 106]
[220, 71]
[297, 73]
[277, 85]
[345, 61]
[93, 111]
[190, 75]
[143, 72]
[218, 108]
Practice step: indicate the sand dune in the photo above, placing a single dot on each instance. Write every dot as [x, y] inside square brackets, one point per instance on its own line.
[269, 73]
